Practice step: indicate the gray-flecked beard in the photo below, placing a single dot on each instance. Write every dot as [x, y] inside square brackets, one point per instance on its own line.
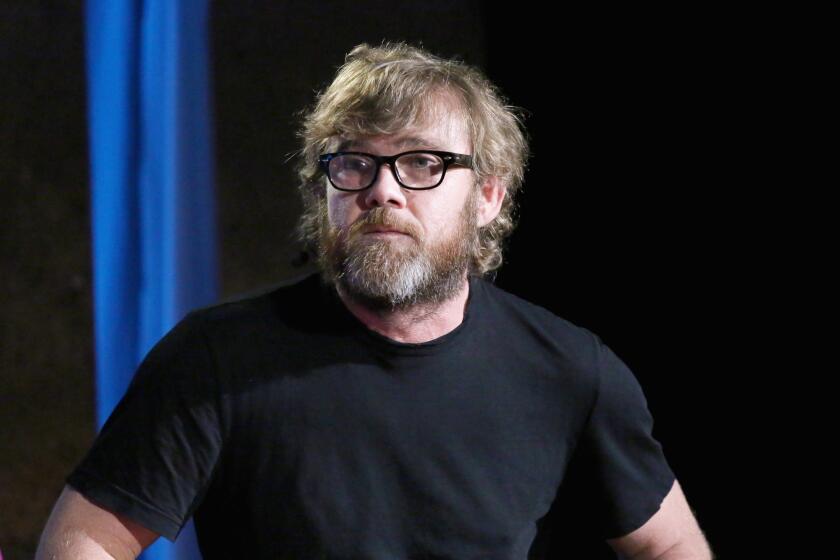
[397, 273]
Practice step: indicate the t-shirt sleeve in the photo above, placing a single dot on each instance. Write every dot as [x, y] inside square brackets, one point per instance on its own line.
[156, 454]
[621, 467]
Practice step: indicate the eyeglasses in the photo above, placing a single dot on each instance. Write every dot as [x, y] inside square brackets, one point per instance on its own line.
[416, 170]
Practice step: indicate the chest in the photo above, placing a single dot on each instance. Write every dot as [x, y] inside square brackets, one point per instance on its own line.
[379, 454]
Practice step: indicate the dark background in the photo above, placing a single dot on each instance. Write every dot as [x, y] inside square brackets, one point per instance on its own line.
[622, 224]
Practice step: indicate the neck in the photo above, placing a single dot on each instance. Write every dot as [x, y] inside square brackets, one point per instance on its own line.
[420, 323]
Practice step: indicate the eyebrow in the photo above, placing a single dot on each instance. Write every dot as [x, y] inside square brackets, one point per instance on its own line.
[416, 141]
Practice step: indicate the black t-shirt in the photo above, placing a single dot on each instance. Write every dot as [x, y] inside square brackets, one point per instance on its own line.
[290, 430]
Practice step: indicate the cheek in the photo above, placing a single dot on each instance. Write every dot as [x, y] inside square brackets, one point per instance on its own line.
[438, 224]
[337, 211]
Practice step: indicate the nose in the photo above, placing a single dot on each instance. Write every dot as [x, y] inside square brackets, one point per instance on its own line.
[385, 190]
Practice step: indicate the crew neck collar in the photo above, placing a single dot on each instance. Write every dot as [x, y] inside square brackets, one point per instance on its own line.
[392, 346]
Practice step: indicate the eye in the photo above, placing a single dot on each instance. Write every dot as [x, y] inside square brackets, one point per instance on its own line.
[355, 163]
[420, 161]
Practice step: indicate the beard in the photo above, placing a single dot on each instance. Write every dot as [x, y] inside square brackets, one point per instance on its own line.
[397, 272]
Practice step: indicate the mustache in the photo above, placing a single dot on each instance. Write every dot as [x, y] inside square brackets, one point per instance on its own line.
[382, 217]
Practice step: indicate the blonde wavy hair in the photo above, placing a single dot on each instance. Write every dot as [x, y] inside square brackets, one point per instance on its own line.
[383, 90]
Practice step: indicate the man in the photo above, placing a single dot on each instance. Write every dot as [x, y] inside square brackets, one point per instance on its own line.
[396, 404]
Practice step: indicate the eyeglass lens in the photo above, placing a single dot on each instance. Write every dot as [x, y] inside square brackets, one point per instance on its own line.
[353, 171]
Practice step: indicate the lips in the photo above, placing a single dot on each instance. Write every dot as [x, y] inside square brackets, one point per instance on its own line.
[382, 230]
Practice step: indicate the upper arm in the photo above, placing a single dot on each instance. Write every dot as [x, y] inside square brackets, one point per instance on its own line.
[671, 525]
[75, 519]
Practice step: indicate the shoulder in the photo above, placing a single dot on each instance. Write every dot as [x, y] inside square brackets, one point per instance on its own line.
[210, 344]
[275, 304]
[540, 323]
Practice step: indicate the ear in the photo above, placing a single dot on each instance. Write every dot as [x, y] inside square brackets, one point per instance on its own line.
[491, 195]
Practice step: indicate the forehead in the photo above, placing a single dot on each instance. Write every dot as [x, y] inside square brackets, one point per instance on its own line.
[397, 141]
[446, 132]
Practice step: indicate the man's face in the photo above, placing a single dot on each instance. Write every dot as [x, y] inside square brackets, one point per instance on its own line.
[426, 260]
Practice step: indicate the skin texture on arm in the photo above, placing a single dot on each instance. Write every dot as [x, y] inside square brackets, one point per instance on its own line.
[78, 528]
[671, 534]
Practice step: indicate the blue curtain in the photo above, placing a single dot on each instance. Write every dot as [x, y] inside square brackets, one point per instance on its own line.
[153, 209]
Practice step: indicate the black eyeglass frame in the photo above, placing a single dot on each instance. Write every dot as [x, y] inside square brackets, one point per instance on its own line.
[449, 158]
